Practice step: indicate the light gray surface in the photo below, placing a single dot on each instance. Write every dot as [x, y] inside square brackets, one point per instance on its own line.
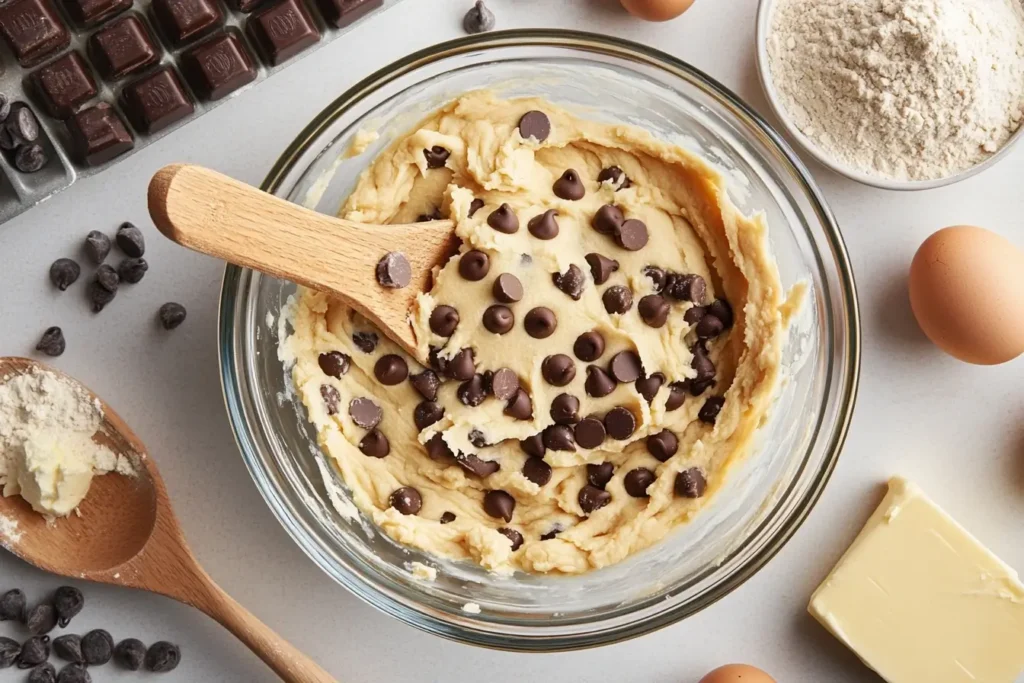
[957, 430]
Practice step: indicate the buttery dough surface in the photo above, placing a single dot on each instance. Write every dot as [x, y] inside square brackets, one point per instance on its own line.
[693, 230]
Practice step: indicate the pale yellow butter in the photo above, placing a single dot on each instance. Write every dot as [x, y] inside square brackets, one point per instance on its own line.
[920, 600]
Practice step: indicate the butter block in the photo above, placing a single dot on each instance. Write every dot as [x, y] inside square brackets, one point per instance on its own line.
[920, 600]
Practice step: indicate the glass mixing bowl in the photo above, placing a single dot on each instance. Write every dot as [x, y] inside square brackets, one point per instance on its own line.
[769, 493]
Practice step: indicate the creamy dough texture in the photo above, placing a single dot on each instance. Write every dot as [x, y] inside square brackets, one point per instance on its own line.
[565, 517]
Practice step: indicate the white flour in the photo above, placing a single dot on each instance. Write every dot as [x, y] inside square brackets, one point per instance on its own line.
[903, 89]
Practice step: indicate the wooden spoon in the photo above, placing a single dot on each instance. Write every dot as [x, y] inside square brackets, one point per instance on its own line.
[127, 535]
[217, 215]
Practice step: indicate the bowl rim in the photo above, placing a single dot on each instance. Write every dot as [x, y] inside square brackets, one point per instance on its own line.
[764, 9]
[383, 598]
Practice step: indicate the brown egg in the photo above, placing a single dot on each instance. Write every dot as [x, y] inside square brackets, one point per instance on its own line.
[737, 673]
[967, 293]
[656, 10]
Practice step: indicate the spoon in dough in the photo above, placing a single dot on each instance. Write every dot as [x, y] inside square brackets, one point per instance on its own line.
[127, 535]
[219, 216]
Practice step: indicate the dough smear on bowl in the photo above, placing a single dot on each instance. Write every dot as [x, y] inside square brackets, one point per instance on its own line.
[600, 351]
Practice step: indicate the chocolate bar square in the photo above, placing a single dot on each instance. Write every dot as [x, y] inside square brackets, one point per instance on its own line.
[218, 66]
[341, 13]
[63, 84]
[98, 134]
[91, 12]
[156, 101]
[33, 30]
[122, 48]
[184, 20]
[283, 30]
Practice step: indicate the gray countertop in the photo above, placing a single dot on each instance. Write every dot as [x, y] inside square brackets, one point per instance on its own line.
[957, 430]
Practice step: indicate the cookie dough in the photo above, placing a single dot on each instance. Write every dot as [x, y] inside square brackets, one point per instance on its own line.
[594, 359]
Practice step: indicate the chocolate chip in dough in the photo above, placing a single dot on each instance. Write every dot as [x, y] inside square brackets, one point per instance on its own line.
[620, 423]
[64, 272]
[12, 605]
[365, 341]
[406, 500]
[472, 392]
[626, 366]
[636, 482]
[559, 438]
[436, 156]
[474, 264]
[503, 219]
[447, 517]
[614, 175]
[537, 471]
[721, 309]
[705, 371]
[30, 158]
[69, 648]
[662, 445]
[504, 384]
[520, 407]
[653, 310]
[499, 319]
[600, 474]
[499, 504]
[130, 240]
[443, 321]
[632, 235]
[695, 314]
[657, 276]
[569, 186]
[44, 673]
[544, 226]
[461, 366]
[599, 383]
[477, 438]
[589, 346]
[394, 271]
[437, 449]
[391, 369]
[34, 651]
[97, 647]
[709, 327]
[589, 433]
[558, 370]
[691, 483]
[601, 267]
[132, 270]
[540, 322]
[676, 395]
[331, 398]
[52, 343]
[478, 19]
[710, 410]
[536, 125]
[475, 206]
[555, 530]
[608, 220]
[533, 445]
[130, 653]
[365, 413]
[426, 384]
[571, 282]
[512, 535]
[565, 409]
[686, 288]
[617, 299]
[9, 651]
[592, 498]
[74, 673]
[648, 386]
[41, 619]
[97, 246]
[375, 444]
[507, 288]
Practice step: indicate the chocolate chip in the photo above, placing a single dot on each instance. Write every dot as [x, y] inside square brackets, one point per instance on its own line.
[394, 271]
[617, 299]
[97, 246]
[406, 500]
[520, 407]
[130, 240]
[478, 19]
[365, 413]
[365, 341]
[512, 535]
[565, 409]
[504, 384]
[662, 445]
[21, 123]
[130, 653]
[478, 467]
[391, 369]
[35, 650]
[559, 438]
[636, 482]
[503, 219]
[44, 673]
[686, 288]
[331, 398]
[540, 322]
[52, 344]
[68, 602]
[558, 370]
[536, 125]
[533, 445]
[600, 474]
[132, 270]
[537, 471]
[709, 327]
[571, 282]
[507, 288]
[69, 648]
[437, 449]
[653, 310]
[375, 444]
[9, 651]
[107, 278]
[41, 619]
[694, 314]
[499, 504]
[710, 410]
[74, 673]
[601, 267]
[626, 366]
[657, 276]
[721, 309]
[676, 395]
[64, 272]
[477, 438]
[615, 176]
[589, 346]
[569, 186]
[97, 647]
[475, 206]
[608, 220]
[599, 383]
[649, 386]
[447, 517]
[443, 321]
[525, 259]
[620, 423]
[436, 156]
[632, 235]
[30, 158]
[703, 365]
[100, 296]
[426, 383]
[691, 483]
[544, 226]
[592, 498]
[434, 215]
[12, 605]
[461, 366]
[474, 264]
[499, 319]
[472, 392]
[555, 530]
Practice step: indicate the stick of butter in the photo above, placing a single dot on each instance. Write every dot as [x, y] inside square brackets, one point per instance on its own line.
[920, 600]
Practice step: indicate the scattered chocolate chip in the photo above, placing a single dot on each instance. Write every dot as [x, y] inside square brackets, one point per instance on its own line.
[365, 341]
[569, 186]
[477, 438]
[620, 423]
[447, 517]
[499, 504]
[132, 270]
[636, 482]
[437, 449]
[615, 176]
[44, 673]
[130, 240]
[721, 309]
[461, 366]
[540, 322]
[533, 445]
[686, 288]
[676, 395]
[30, 158]
[9, 651]
[608, 220]
[710, 410]
[559, 438]
[653, 310]
[649, 386]
[536, 470]
[478, 19]
[68, 601]
[472, 392]
[34, 651]
[558, 370]
[691, 483]
[375, 444]
[391, 369]
[41, 619]
[172, 315]
[394, 271]
[601, 267]
[162, 656]
[97, 246]
[657, 276]
[475, 206]
[334, 364]
[617, 299]
[107, 278]
[544, 226]
[52, 343]
[565, 409]
[499, 319]
[600, 474]
[478, 467]
[365, 413]
[512, 535]
[99, 296]
[426, 383]
[709, 327]
[443, 321]
[520, 407]
[69, 648]
[331, 398]
[694, 314]
[503, 219]
[626, 366]
[592, 498]
[662, 445]
[589, 346]
[74, 673]
[536, 125]
[436, 156]
[130, 654]
[64, 272]
[474, 264]
[632, 235]
[406, 500]
[704, 366]
[12, 605]
[571, 282]
[507, 288]
[599, 383]
[555, 530]
[504, 384]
